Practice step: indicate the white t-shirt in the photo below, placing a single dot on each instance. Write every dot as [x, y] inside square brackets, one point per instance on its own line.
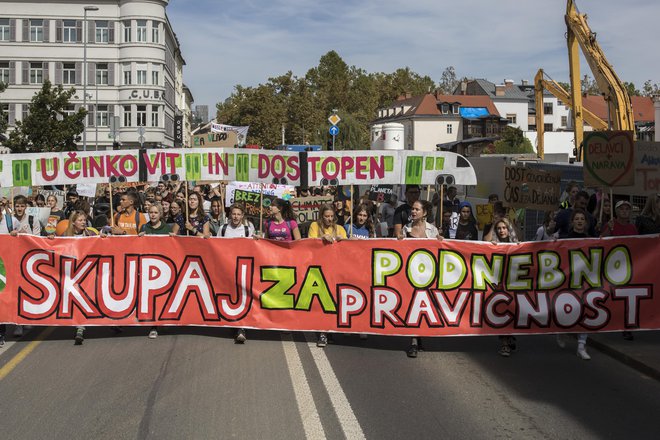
[239, 232]
[22, 226]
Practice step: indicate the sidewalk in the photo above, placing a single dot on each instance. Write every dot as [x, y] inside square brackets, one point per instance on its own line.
[642, 354]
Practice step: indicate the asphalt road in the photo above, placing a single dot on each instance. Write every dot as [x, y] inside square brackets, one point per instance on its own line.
[195, 383]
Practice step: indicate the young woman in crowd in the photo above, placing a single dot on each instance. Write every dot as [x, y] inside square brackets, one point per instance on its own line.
[281, 225]
[606, 216]
[341, 211]
[175, 210]
[217, 216]
[326, 227]
[648, 222]
[419, 228]
[155, 226]
[579, 229]
[51, 201]
[467, 224]
[197, 223]
[363, 226]
[237, 227]
[546, 231]
[504, 232]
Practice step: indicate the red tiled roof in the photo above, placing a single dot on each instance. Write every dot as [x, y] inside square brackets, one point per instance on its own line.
[470, 101]
[642, 107]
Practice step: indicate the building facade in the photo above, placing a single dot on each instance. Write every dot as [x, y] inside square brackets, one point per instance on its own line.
[123, 52]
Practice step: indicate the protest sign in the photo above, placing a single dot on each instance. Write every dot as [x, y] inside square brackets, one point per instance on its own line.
[86, 189]
[484, 214]
[252, 201]
[647, 170]
[393, 287]
[531, 188]
[306, 209]
[279, 191]
[225, 139]
[40, 214]
[381, 193]
[609, 158]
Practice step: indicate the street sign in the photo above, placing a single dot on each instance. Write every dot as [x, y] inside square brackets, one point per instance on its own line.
[334, 119]
[334, 130]
[141, 139]
[141, 130]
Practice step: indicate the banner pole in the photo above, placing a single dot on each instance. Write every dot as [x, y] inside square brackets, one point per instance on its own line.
[11, 201]
[602, 207]
[350, 234]
[187, 210]
[261, 206]
[428, 193]
[112, 211]
[441, 207]
[222, 201]
[611, 204]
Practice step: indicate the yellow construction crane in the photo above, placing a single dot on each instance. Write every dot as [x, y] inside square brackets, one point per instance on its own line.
[620, 113]
[543, 82]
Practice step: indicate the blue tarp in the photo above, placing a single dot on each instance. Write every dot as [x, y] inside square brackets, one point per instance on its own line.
[473, 112]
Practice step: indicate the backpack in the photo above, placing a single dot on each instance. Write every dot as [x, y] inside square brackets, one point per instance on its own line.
[10, 223]
[223, 231]
[137, 220]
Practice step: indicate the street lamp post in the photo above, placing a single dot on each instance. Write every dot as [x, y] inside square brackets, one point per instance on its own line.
[84, 39]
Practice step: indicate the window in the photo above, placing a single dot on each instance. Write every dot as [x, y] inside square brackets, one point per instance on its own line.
[102, 116]
[142, 31]
[4, 29]
[69, 110]
[141, 75]
[155, 75]
[511, 117]
[102, 31]
[127, 116]
[155, 36]
[69, 31]
[455, 109]
[36, 30]
[547, 108]
[450, 128]
[127, 31]
[564, 121]
[36, 73]
[445, 109]
[25, 112]
[547, 127]
[141, 115]
[102, 74]
[127, 74]
[5, 112]
[559, 103]
[69, 73]
[4, 72]
[154, 116]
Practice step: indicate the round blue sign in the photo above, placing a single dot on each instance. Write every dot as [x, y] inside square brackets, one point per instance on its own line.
[334, 130]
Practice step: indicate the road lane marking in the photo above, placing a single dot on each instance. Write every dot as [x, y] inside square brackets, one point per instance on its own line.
[21, 355]
[347, 420]
[306, 406]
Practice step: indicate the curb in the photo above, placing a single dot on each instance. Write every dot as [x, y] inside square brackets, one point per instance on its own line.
[636, 364]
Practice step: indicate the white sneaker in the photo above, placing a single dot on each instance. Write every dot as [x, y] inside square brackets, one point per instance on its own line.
[18, 331]
[582, 353]
[153, 334]
[561, 341]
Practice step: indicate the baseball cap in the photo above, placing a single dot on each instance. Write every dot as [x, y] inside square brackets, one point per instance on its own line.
[621, 203]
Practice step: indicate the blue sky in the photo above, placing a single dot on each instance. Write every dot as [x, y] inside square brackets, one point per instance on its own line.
[244, 42]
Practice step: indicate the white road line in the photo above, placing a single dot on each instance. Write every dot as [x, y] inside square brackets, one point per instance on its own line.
[306, 406]
[347, 420]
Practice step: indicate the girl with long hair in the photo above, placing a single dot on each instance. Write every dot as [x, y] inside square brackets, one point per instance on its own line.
[363, 225]
[281, 225]
[197, 223]
[326, 227]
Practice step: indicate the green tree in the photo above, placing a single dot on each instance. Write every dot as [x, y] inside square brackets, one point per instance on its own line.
[632, 90]
[4, 119]
[589, 86]
[48, 127]
[513, 141]
[649, 89]
[448, 81]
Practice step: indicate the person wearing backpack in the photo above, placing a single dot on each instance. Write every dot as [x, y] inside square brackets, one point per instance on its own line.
[238, 227]
[129, 221]
[281, 226]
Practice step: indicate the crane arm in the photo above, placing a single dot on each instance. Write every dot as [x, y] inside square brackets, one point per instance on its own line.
[613, 89]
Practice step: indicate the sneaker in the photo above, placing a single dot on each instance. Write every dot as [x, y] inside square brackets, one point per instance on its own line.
[505, 350]
[412, 351]
[2, 340]
[153, 334]
[582, 353]
[322, 341]
[628, 336]
[79, 336]
[561, 341]
[240, 336]
[18, 331]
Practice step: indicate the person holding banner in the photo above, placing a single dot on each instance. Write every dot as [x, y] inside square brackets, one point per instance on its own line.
[402, 214]
[419, 228]
[467, 224]
[504, 232]
[363, 226]
[173, 212]
[77, 226]
[128, 221]
[648, 221]
[326, 227]
[197, 223]
[282, 225]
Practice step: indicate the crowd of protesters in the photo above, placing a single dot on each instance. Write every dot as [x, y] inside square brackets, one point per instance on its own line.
[169, 208]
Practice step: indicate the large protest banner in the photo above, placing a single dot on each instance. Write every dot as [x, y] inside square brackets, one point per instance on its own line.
[531, 188]
[406, 287]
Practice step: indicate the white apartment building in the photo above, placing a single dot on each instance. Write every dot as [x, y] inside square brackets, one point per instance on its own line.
[133, 66]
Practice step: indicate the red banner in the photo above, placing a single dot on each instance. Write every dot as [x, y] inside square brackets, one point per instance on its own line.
[409, 287]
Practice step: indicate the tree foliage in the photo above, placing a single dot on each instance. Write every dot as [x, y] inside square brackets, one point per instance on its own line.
[48, 127]
[3, 118]
[448, 81]
[650, 89]
[589, 85]
[513, 141]
[302, 105]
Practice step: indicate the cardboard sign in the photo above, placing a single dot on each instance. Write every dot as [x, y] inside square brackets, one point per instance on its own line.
[381, 193]
[306, 209]
[531, 188]
[226, 139]
[609, 159]
[647, 170]
[484, 214]
[279, 191]
[252, 201]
